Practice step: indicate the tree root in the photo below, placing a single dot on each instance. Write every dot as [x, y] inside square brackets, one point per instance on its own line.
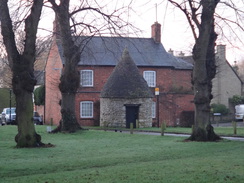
[202, 135]
[60, 129]
[28, 142]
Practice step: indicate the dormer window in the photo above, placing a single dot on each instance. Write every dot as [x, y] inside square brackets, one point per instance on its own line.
[150, 77]
[86, 78]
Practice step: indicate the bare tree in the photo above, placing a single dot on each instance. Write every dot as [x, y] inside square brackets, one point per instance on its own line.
[201, 15]
[21, 61]
[81, 24]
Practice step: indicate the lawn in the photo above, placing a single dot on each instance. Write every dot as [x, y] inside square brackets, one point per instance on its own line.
[223, 131]
[99, 156]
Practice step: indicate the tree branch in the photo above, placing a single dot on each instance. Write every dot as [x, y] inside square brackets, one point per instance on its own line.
[7, 33]
[188, 16]
[31, 24]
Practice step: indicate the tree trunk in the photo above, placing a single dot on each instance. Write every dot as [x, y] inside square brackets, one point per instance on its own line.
[70, 78]
[27, 136]
[68, 121]
[22, 65]
[203, 73]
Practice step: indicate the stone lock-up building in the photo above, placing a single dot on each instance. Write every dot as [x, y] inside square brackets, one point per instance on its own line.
[126, 97]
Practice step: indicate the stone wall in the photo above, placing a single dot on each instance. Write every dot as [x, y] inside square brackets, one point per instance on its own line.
[113, 112]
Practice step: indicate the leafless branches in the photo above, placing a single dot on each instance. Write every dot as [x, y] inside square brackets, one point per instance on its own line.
[229, 18]
[89, 18]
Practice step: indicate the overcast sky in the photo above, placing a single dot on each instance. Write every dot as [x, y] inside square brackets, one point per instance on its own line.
[176, 34]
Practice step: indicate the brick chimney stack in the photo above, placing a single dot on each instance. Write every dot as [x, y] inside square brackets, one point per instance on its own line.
[156, 32]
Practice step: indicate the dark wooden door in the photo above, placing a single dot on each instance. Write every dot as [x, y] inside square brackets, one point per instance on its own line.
[131, 115]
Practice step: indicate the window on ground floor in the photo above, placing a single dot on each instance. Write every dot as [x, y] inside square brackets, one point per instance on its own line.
[86, 109]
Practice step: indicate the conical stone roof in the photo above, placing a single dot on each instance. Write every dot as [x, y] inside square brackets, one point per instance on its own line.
[126, 81]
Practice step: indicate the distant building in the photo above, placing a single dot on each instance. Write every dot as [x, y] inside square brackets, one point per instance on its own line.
[226, 82]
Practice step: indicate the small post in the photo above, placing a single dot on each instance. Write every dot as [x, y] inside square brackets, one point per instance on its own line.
[105, 126]
[137, 123]
[131, 128]
[162, 128]
[235, 129]
[157, 107]
[51, 122]
[192, 129]
[165, 125]
[49, 128]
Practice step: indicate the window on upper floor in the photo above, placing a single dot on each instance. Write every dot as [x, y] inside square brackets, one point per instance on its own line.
[150, 77]
[153, 109]
[86, 109]
[86, 78]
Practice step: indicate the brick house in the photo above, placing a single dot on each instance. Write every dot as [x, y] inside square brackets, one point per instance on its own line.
[171, 75]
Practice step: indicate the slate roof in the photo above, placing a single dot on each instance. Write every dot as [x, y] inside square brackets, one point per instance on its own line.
[126, 81]
[106, 51]
[188, 59]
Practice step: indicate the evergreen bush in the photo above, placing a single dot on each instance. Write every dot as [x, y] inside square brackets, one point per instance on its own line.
[39, 95]
[219, 108]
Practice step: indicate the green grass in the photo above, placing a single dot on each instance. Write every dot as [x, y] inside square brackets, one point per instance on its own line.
[223, 131]
[99, 156]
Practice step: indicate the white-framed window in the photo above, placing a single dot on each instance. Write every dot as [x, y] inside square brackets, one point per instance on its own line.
[86, 109]
[150, 77]
[153, 109]
[86, 78]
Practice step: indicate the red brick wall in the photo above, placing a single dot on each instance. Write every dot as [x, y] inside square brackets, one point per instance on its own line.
[101, 75]
[171, 104]
[53, 95]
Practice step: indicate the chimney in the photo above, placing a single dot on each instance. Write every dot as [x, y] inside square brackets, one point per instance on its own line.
[181, 54]
[221, 52]
[156, 32]
[171, 51]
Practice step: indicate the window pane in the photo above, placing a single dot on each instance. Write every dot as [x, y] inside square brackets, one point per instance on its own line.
[150, 77]
[86, 109]
[86, 78]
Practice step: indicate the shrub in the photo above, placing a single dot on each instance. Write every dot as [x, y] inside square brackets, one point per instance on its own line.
[219, 108]
[237, 99]
[39, 95]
